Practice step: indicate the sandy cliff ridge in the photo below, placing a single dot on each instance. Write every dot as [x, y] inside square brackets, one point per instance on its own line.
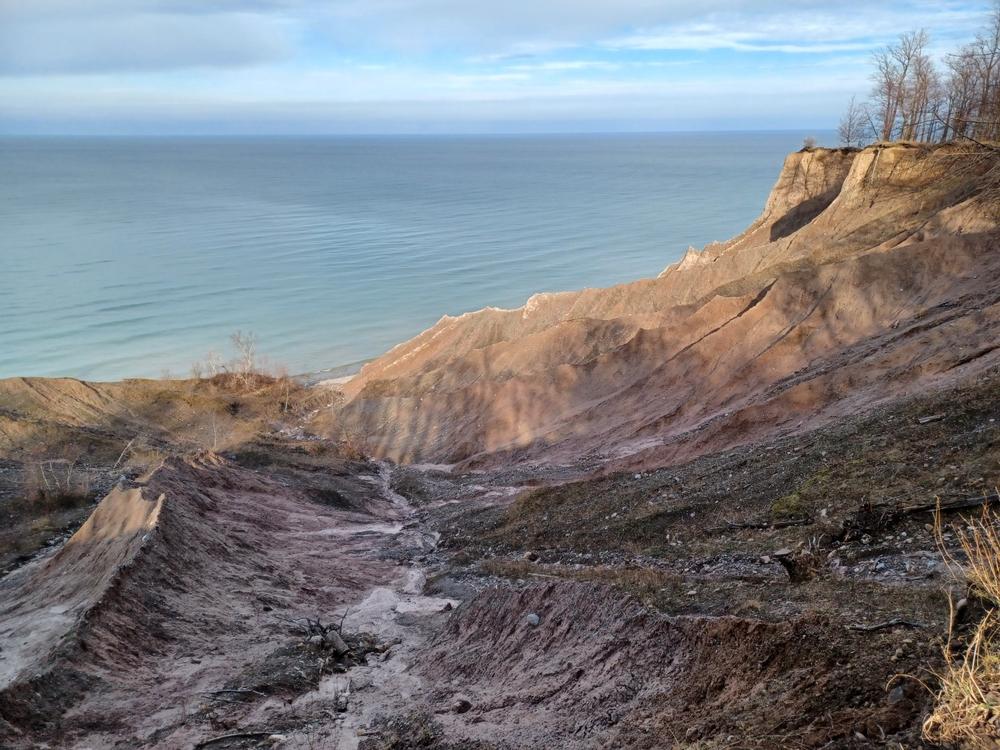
[854, 285]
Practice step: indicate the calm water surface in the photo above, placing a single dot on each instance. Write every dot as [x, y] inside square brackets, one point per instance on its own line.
[128, 257]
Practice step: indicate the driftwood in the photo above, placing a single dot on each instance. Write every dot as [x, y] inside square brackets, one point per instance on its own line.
[871, 518]
[894, 623]
[761, 525]
[328, 634]
[963, 503]
[219, 695]
[234, 690]
[235, 736]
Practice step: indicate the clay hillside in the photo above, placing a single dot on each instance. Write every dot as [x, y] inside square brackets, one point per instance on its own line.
[870, 275]
[746, 504]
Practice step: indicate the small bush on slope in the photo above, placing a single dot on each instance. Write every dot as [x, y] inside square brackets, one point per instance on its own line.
[967, 712]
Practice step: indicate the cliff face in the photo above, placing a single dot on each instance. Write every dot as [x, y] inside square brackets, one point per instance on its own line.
[869, 274]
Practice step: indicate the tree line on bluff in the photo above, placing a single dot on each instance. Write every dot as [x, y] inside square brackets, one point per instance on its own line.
[912, 99]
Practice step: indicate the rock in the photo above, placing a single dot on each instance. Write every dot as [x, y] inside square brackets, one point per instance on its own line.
[533, 619]
[531, 556]
[461, 705]
[277, 739]
[447, 607]
[783, 552]
[897, 695]
[342, 699]
[316, 640]
[336, 643]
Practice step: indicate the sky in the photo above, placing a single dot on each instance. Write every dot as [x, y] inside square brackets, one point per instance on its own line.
[447, 66]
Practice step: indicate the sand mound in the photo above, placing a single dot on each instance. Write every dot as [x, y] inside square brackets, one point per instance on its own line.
[99, 602]
[44, 602]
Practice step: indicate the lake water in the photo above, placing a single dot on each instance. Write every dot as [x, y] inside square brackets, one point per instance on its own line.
[128, 257]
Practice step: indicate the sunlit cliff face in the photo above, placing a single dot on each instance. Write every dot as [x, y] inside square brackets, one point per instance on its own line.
[767, 331]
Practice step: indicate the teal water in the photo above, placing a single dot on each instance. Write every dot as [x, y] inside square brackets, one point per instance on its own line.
[124, 257]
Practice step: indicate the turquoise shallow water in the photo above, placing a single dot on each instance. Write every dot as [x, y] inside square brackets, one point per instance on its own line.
[128, 257]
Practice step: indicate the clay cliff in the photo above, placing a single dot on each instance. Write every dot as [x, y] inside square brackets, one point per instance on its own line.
[855, 285]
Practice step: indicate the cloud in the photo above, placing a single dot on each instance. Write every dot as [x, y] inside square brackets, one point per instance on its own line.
[54, 36]
[83, 36]
[326, 65]
[564, 66]
[797, 31]
[494, 31]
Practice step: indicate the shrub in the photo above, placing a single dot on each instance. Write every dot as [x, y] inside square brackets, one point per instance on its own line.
[354, 446]
[41, 525]
[967, 709]
[55, 484]
[789, 506]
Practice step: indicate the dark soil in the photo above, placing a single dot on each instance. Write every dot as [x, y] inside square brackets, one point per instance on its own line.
[698, 540]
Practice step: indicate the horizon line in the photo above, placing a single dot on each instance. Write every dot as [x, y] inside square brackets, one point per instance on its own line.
[417, 134]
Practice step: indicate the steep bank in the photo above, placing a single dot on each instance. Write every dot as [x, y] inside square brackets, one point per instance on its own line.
[853, 285]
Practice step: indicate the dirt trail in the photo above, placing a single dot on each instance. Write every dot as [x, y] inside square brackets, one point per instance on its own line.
[153, 603]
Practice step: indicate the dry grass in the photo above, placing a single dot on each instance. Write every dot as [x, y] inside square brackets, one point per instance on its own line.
[967, 710]
[355, 446]
[55, 483]
[645, 584]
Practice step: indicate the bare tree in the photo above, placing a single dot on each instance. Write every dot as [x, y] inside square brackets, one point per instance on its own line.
[961, 103]
[245, 366]
[972, 95]
[911, 101]
[923, 101]
[985, 52]
[903, 78]
[853, 125]
[884, 95]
